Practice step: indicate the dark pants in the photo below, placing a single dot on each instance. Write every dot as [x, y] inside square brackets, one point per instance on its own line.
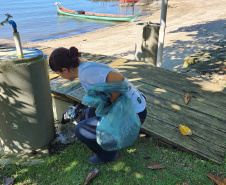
[85, 131]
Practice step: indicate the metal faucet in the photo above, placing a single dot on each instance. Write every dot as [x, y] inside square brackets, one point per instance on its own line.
[6, 20]
[16, 35]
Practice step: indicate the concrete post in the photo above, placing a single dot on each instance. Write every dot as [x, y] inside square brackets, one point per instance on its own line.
[147, 42]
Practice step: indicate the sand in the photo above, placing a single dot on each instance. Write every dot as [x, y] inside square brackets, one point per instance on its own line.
[191, 25]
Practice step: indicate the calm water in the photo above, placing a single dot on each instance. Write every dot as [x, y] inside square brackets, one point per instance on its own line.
[38, 19]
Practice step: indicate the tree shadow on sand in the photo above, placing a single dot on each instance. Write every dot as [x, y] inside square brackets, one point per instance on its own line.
[202, 36]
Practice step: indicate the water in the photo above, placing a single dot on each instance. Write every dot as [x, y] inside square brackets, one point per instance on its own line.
[38, 20]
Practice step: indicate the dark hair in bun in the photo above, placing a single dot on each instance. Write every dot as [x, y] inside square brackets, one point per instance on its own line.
[73, 52]
[64, 58]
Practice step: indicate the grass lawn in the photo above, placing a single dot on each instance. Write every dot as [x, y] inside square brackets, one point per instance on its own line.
[70, 167]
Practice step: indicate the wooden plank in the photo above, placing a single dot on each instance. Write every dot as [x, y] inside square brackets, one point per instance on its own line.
[206, 125]
[77, 94]
[194, 144]
[63, 86]
[62, 97]
[205, 114]
[113, 61]
[89, 57]
[53, 76]
[177, 100]
[175, 82]
[198, 128]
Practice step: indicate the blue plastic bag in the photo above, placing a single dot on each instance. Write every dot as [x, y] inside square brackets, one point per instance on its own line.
[119, 125]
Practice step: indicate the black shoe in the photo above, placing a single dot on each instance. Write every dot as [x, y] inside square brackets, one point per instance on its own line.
[96, 160]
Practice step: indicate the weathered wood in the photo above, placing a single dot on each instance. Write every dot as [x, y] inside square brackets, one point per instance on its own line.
[52, 74]
[63, 86]
[194, 144]
[176, 82]
[88, 57]
[77, 94]
[62, 98]
[205, 114]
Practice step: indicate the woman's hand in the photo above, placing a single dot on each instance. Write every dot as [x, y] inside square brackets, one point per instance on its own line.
[112, 77]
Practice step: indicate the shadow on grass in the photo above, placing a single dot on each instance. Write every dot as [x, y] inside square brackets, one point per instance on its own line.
[71, 167]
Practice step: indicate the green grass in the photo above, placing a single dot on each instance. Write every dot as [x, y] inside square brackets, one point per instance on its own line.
[70, 167]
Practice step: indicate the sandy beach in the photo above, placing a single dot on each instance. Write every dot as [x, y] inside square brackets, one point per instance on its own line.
[191, 26]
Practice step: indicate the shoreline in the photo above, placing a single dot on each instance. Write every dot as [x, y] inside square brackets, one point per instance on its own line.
[190, 26]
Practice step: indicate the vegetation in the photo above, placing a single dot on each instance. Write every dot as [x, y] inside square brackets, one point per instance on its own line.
[71, 167]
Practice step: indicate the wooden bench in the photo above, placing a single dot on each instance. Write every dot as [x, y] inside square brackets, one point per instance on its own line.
[205, 114]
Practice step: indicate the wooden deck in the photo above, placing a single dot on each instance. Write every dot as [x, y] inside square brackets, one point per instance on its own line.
[205, 114]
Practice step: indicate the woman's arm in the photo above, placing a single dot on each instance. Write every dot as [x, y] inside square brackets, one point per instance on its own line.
[111, 77]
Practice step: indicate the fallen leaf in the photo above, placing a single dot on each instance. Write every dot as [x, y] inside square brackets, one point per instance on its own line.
[23, 171]
[7, 167]
[154, 166]
[185, 130]
[217, 180]
[34, 152]
[187, 98]
[91, 175]
[142, 135]
[8, 181]
[147, 157]
[160, 176]
[184, 183]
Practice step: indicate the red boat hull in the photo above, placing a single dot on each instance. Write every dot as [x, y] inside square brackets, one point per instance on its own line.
[128, 1]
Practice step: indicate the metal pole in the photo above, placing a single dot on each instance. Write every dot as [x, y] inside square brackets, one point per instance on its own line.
[162, 32]
[133, 8]
[16, 37]
[126, 6]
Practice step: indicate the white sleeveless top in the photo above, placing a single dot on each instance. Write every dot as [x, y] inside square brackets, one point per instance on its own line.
[92, 73]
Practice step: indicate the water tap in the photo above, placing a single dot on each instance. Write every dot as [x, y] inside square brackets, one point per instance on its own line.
[6, 20]
[16, 35]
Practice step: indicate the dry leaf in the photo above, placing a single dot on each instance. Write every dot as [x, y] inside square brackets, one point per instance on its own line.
[217, 180]
[34, 152]
[91, 175]
[147, 157]
[185, 130]
[154, 166]
[184, 183]
[160, 176]
[8, 181]
[23, 171]
[187, 98]
[142, 135]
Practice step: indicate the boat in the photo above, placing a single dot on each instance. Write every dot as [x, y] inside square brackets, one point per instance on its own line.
[98, 16]
[128, 1]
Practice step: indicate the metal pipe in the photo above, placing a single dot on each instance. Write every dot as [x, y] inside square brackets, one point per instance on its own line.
[162, 32]
[126, 6]
[133, 7]
[16, 35]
